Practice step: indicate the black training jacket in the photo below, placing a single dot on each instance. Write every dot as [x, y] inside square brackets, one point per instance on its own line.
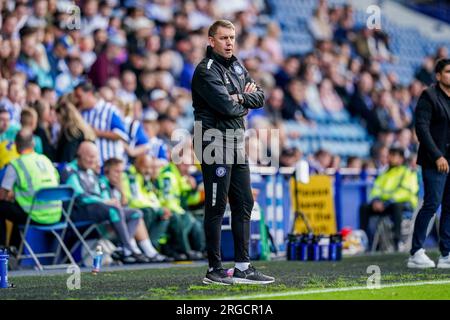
[215, 80]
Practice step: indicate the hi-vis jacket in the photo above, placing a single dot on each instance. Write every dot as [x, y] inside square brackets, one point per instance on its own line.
[175, 191]
[398, 184]
[139, 192]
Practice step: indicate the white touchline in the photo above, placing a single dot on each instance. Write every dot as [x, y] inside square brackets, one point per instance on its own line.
[330, 290]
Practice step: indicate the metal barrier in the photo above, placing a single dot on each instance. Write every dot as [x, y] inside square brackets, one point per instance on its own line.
[351, 189]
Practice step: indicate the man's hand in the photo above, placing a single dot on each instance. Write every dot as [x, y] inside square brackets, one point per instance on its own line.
[192, 182]
[250, 87]
[236, 98]
[442, 165]
[378, 206]
[113, 202]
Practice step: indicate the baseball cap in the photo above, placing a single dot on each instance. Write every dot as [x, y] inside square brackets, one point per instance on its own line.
[66, 41]
[150, 115]
[158, 94]
[164, 117]
[117, 41]
[139, 52]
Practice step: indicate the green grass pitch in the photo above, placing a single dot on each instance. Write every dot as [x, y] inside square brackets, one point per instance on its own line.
[294, 280]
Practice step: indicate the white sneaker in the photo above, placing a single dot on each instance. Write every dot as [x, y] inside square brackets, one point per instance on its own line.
[420, 260]
[444, 262]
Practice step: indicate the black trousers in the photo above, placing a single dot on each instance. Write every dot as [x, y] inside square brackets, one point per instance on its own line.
[13, 212]
[394, 210]
[232, 182]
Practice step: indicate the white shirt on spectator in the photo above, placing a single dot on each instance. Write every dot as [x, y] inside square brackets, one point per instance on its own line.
[105, 116]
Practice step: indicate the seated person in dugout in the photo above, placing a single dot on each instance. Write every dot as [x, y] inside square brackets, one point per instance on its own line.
[394, 192]
[178, 189]
[23, 177]
[112, 185]
[90, 205]
[141, 193]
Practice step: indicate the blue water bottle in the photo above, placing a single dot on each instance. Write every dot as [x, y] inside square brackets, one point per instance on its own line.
[332, 248]
[97, 263]
[303, 248]
[314, 249]
[290, 247]
[338, 247]
[4, 269]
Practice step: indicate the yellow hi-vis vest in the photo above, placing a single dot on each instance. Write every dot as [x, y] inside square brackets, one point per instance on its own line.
[34, 172]
[398, 184]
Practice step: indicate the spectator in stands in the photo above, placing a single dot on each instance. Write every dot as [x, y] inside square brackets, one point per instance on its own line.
[394, 192]
[441, 53]
[44, 128]
[289, 157]
[58, 55]
[4, 85]
[33, 92]
[354, 163]
[49, 96]
[8, 133]
[15, 101]
[155, 146]
[90, 205]
[415, 88]
[29, 121]
[312, 77]
[8, 130]
[92, 20]
[128, 87]
[108, 62]
[68, 80]
[288, 70]
[23, 176]
[345, 31]
[372, 45]
[113, 187]
[321, 161]
[271, 44]
[387, 114]
[159, 101]
[295, 105]
[330, 99]
[361, 103]
[33, 60]
[74, 130]
[405, 140]
[425, 73]
[319, 25]
[167, 126]
[105, 119]
[380, 155]
[274, 108]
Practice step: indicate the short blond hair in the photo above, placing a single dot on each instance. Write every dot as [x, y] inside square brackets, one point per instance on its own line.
[219, 23]
[28, 117]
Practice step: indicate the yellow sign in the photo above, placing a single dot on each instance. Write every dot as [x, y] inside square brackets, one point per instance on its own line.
[317, 204]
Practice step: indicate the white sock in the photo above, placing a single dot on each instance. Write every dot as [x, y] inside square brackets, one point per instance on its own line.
[134, 246]
[147, 247]
[241, 266]
[127, 252]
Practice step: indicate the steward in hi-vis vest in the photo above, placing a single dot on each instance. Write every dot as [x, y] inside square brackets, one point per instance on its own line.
[23, 177]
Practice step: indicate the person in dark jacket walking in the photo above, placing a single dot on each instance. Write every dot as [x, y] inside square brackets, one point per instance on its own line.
[222, 93]
[433, 131]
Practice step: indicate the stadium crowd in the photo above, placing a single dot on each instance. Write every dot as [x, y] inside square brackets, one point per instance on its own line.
[111, 81]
